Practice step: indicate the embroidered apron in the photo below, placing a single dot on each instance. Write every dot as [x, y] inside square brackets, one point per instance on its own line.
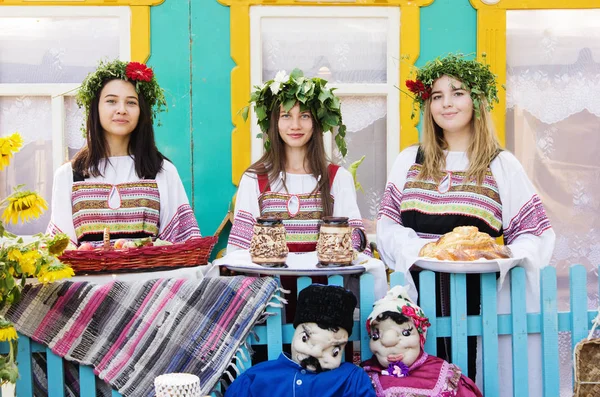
[301, 213]
[129, 210]
[432, 209]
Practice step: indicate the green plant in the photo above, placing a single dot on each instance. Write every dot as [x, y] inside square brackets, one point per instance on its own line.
[21, 259]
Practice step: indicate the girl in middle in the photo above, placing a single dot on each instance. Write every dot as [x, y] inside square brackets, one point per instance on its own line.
[294, 180]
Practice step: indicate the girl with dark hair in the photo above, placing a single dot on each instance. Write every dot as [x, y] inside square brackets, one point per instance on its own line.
[120, 180]
[294, 180]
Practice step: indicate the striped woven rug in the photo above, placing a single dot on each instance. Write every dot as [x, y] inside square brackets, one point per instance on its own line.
[132, 332]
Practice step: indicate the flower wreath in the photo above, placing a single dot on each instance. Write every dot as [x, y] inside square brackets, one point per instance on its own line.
[141, 76]
[477, 78]
[311, 93]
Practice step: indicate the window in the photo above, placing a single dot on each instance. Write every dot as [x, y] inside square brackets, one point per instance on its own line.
[356, 49]
[45, 52]
[552, 124]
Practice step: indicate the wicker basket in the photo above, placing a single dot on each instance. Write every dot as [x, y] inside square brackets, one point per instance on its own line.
[587, 368]
[193, 252]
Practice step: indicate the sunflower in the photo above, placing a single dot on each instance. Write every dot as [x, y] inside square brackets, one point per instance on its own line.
[8, 147]
[55, 271]
[7, 330]
[14, 255]
[25, 205]
[58, 244]
[28, 261]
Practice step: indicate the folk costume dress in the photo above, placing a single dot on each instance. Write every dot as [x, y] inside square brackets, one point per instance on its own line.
[414, 212]
[298, 207]
[130, 206]
[428, 376]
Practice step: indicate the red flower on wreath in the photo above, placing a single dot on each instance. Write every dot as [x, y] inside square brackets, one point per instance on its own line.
[418, 88]
[138, 71]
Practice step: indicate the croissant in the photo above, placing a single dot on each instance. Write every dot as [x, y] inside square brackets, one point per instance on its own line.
[465, 243]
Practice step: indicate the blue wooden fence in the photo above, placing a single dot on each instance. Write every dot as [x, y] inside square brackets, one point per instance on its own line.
[489, 325]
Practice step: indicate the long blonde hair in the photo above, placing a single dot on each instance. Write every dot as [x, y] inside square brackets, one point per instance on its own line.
[483, 148]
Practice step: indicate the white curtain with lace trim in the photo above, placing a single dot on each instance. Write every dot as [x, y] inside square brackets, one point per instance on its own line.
[553, 127]
[340, 50]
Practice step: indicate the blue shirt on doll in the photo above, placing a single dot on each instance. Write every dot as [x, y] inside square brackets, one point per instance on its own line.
[284, 377]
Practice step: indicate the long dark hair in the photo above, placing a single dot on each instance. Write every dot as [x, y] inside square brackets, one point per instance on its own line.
[148, 160]
[272, 162]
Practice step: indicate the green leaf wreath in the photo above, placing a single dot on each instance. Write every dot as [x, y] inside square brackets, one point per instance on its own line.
[477, 78]
[311, 93]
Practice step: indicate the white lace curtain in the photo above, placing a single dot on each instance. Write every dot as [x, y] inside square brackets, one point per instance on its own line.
[553, 127]
[55, 49]
[46, 50]
[341, 50]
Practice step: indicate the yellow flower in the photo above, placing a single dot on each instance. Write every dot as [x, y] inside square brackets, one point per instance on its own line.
[8, 333]
[28, 261]
[58, 244]
[8, 146]
[14, 255]
[55, 271]
[25, 205]
[7, 330]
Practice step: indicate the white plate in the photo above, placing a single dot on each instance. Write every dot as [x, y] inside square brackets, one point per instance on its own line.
[478, 266]
[290, 271]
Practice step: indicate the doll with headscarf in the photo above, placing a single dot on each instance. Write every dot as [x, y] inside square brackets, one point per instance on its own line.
[400, 367]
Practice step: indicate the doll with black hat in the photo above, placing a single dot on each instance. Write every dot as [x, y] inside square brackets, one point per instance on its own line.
[323, 322]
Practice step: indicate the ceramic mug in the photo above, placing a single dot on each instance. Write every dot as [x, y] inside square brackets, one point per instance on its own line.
[268, 246]
[334, 246]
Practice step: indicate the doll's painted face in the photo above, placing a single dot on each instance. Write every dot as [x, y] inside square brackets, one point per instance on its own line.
[391, 342]
[318, 349]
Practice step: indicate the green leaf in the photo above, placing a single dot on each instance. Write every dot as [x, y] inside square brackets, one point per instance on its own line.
[332, 119]
[10, 282]
[301, 97]
[264, 125]
[9, 372]
[341, 144]
[335, 103]
[288, 104]
[17, 294]
[261, 112]
[311, 91]
[296, 74]
[324, 95]
[255, 95]
[245, 111]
